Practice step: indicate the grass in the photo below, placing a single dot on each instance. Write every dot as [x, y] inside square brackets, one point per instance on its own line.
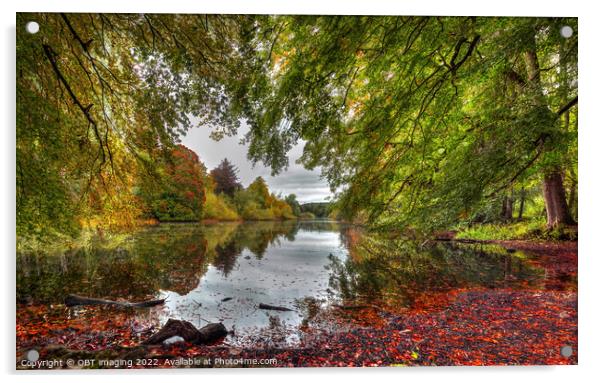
[526, 229]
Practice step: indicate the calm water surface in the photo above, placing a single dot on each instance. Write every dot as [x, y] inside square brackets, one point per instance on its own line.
[222, 272]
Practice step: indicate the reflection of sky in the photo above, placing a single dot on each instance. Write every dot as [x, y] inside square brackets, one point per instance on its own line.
[306, 184]
[289, 270]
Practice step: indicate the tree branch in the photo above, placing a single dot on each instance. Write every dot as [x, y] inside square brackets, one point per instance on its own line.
[568, 106]
[85, 109]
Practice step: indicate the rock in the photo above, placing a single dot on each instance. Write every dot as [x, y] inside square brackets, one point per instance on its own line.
[172, 340]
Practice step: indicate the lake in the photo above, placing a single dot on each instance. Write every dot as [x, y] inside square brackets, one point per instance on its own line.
[319, 269]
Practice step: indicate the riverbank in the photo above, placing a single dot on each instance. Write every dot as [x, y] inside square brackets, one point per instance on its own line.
[479, 327]
[457, 326]
[57, 243]
[528, 229]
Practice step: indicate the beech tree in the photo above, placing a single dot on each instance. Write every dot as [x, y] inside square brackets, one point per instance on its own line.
[102, 97]
[419, 120]
[178, 193]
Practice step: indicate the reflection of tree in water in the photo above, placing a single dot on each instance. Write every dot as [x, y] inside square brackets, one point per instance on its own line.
[254, 236]
[167, 257]
[322, 225]
[175, 255]
[400, 271]
[258, 236]
[225, 258]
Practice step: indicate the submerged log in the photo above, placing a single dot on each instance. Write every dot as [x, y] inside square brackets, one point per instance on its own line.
[352, 307]
[186, 330]
[464, 240]
[270, 307]
[76, 300]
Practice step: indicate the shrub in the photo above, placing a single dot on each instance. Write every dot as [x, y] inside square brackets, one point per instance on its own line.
[307, 215]
[216, 207]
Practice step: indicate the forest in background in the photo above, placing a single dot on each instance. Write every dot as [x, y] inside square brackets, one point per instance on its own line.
[184, 191]
[428, 123]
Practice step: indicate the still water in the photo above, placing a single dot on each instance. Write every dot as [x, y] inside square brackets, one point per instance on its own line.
[222, 272]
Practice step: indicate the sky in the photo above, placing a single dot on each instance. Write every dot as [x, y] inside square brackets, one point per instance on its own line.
[305, 184]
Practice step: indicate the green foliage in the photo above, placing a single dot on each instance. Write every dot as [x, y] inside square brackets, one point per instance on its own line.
[291, 200]
[416, 121]
[216, 207]
[419, 120]
[99, 95]
[318, 209]
[527, 229]
[307, 215]
[256, 203]
[179, 194]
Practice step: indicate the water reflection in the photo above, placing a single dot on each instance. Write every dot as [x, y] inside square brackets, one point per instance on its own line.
[221, 272]
[399, 271]
[278, 264]
[167, 257]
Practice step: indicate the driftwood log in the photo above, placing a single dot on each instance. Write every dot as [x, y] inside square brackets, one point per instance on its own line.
[76, 300]
[186, 330]
[352, 307]
[270, 307]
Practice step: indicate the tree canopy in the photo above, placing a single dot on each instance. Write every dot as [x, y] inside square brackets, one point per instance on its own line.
[178, 193]
[420, 121]
[100, 97]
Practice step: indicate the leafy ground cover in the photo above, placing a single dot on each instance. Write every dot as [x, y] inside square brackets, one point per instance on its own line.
[459, 327]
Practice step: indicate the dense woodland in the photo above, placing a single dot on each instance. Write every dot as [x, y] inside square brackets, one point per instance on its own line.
[443, 141]
[185, 192]
[429, 123]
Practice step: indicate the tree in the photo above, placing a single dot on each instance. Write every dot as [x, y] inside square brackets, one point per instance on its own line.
[226, 178]
[99, 96]
[291, 199]
[260, 193]
[257, 203]
[418, 119]
[180, 194]
[553, 188]
[415, 120]
[318, 209]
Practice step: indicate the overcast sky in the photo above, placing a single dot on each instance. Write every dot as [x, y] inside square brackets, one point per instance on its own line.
[306, 184]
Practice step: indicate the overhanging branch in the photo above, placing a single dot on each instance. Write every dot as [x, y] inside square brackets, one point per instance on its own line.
[84, 109]
[568, 106]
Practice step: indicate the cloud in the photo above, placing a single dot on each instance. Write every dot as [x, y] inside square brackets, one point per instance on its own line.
[306, 184]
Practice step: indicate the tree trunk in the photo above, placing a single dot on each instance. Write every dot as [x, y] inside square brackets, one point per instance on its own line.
[557, 210]
[573, 199]
[521, 206]
[507, 208]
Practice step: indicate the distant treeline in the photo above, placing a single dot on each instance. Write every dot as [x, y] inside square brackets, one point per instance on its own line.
[187, 192]
[318, 209]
